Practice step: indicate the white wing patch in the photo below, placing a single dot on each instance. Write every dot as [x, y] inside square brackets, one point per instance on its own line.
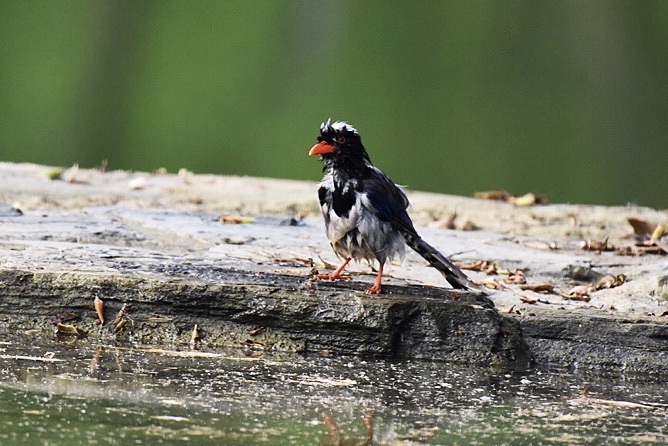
[360, 234]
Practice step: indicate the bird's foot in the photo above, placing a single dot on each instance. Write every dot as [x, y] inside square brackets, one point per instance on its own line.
[333, 276]
[375, 289]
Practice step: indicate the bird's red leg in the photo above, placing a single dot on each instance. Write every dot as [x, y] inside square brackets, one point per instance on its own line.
[377, 287]
[337, 273]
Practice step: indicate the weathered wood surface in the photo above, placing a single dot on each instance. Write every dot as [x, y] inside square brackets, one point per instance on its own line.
[154, 242]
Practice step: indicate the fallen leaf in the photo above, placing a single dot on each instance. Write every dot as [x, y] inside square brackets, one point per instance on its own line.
[253, 345]
[121, 313]
[529, 199]
[491, 283]
[659, 232]
[516, 277]
[65, 316]
[487, 266]
[580, 293]
[449, 223]
[610, 281]
[194, 338]
[68, 329]
[508, 310]
[469, 226]
[499, 195]
[595, 246]
[446, 222]
[327, 265]
[99, 309]
[641, 228]
[119, 326]
[543, 288]
[159, 319]
[295, 261]
[256, 331]
[236, 219]
[70, 175]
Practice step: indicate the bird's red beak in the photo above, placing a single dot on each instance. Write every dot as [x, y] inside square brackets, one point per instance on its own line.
[321, 148]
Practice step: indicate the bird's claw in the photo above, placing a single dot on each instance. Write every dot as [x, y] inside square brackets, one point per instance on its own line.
[375, 289]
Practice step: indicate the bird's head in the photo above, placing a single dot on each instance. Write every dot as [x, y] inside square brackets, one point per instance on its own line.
[339, 143]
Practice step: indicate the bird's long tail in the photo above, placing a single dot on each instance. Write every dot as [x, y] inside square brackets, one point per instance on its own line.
[450, 271]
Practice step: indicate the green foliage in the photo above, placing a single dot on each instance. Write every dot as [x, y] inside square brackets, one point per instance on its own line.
[565, 98]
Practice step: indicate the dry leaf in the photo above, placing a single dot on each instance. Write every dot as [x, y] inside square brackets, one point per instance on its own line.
[491, 283]
[542, 288]
[65, 316]
[641, 228]
[70, 175]
[295, 261]
[253, 345]
[516, 277]
[581, 293]
[194, 338]
[328, 265]
[610, 281]
[508, 311]
[159, 319]
[449, 223]
[236, 219]
[99, 309]
[121, 314]
[446, 222]
[595, 246]
[119, 326]
[68, 329]
[529, 199]
[499, 195]
[485, 266]
[469, 226]
[256, 331]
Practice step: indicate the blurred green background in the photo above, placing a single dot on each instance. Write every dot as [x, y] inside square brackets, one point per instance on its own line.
[567, 98]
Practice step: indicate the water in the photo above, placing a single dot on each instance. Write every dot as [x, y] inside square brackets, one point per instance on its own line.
[109, 395]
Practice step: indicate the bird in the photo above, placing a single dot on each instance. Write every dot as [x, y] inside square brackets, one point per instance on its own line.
[365, 212]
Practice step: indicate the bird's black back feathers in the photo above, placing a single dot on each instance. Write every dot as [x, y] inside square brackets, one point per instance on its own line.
[352, 183]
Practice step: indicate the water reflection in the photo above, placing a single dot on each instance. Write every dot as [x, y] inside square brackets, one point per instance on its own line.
[115, 395]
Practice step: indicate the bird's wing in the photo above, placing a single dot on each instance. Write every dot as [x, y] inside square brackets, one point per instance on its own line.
[387, 200]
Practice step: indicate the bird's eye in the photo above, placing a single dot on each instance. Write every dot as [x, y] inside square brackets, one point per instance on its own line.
[341, 139]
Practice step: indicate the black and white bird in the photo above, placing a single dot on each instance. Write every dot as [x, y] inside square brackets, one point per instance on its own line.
[365, 212]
